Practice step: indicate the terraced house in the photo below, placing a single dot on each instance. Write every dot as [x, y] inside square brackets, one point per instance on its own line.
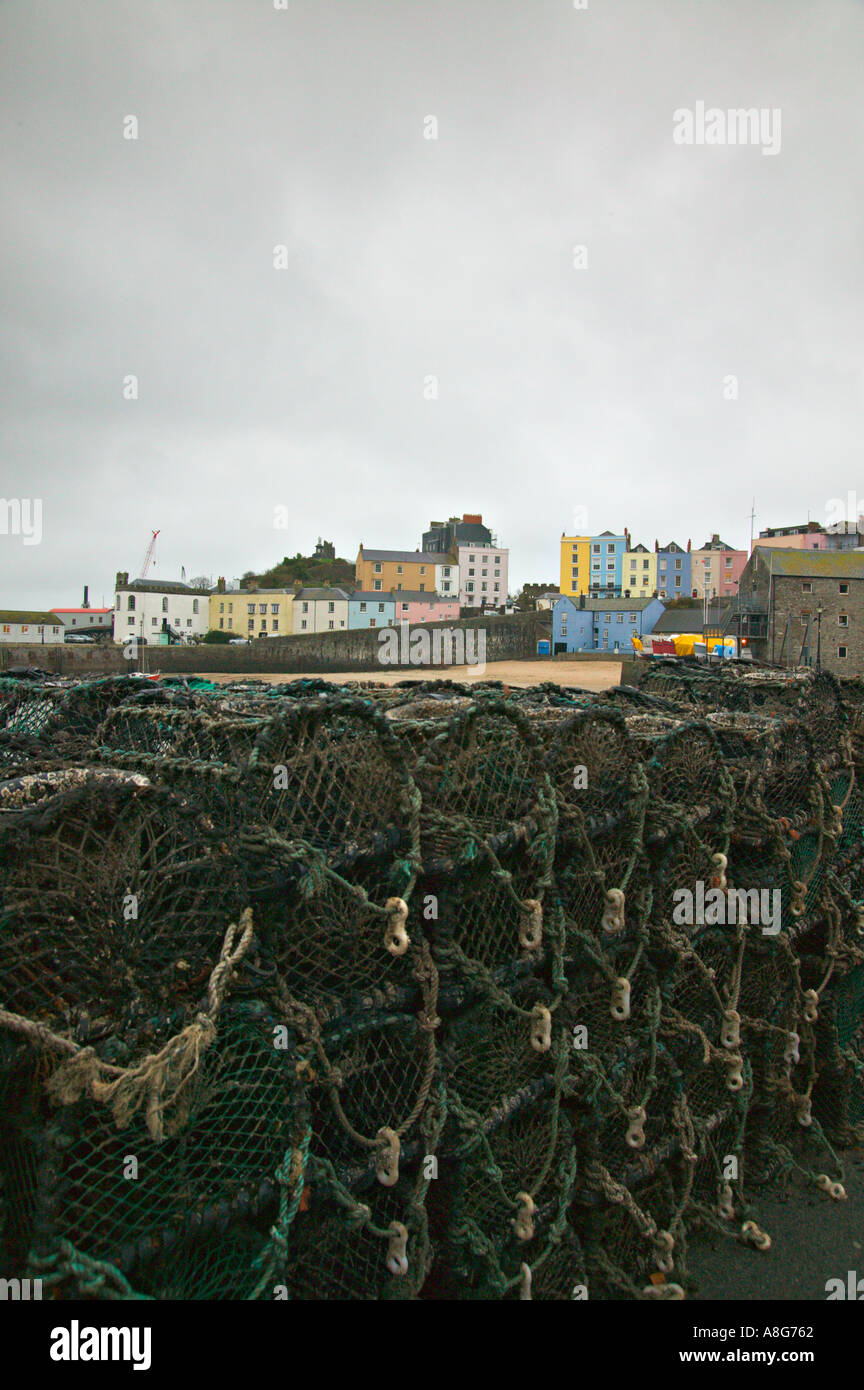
[379, 571]
[321, 610]
[252, 612]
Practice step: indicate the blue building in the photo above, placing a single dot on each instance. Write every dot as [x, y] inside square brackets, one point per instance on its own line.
[674, 571]
[370, 609]
[606, 557]
[587, 624]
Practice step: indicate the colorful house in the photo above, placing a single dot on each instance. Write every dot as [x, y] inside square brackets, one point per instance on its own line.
[674, 570]
[424, 608]
[639, 572]
[602, 624]
[717, 569]
[379, 571]
[369, 609]
[252, 612]
[320, 610]
[575, 564]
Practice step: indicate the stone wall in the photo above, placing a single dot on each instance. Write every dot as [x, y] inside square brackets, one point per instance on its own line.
[512, 638]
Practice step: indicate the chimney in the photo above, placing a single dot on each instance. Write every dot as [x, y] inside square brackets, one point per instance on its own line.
[86, 603]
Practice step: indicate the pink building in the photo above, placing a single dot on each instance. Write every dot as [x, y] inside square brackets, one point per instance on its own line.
[809, 537]
[415, 607]
[716, 569]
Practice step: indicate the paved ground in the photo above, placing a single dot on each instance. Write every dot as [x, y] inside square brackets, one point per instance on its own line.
[813, 1239]
[588, 675]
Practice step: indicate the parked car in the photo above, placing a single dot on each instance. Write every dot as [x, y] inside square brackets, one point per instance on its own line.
[238, 642]
[78, 637]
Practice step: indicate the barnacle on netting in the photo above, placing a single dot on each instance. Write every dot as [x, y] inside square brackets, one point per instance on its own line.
[113, 900]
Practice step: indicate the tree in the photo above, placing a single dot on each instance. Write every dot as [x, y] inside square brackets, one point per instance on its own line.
[216, 635]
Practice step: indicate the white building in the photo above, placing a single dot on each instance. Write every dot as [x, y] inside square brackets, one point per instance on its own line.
[447, 579]
[30, 629]
[91, 621]
[159, 611]
[320, 610]
[483, 575]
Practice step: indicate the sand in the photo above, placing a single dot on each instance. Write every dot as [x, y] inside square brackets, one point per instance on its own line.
[587, 675]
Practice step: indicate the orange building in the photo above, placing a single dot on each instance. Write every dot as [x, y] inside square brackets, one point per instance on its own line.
[379, 571]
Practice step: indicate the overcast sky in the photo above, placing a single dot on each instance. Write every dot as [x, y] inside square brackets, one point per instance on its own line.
[307, 388]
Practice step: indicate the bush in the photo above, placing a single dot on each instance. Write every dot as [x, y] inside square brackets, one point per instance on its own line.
[216, 635]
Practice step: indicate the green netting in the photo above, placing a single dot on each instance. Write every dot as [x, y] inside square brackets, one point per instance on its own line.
[394, 992]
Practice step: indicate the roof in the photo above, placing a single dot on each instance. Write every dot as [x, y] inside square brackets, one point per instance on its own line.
[379, 595]
[12, 615]
[816, 564]
[159, 586]
[689, 619]
[82, 610]
[643, 549]
[612, 605]
[404, 557]
[333, 595]
[673, 548]
[420, 596]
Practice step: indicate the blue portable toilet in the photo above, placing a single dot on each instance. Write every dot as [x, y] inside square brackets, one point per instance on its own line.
[544, 647]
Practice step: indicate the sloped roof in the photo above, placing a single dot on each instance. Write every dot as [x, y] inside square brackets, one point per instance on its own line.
[612, 605]
[816, 564]
[404, 557]
[29, 615]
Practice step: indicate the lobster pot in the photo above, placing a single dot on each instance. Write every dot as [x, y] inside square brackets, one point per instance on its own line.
[491, 919]
[161, 1212]
[838, 1093]
[114, 896]
[328, 938]
[619, 1237]
[506, 1193]
[370, 1076]
[601, 796]
[330, 773]
[482, 780]
[782, 878]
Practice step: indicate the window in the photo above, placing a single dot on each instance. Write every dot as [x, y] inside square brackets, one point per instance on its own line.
[250, 608]
[262, 608]
[843, 619]
[188, 622]
[610, 548]
[331, 608]
[841, 652]
[619, 617]
[632, 617]
[305, 609]
[644, 564]
[153, 622]
[230, 610]
[303, 624]
[130, 602]
[471, 559]
[377, 569]
[363, 607]
[331, 623]
[677, 581]
[221, 622]
[119, 605]
[844, 588]
[497, 587]
[194, 605]
[274, 608]
[222, 608]
[632, 564]
[380, 608]
[376, 583]
[470, 586]
[595, 550]
[471, 572]
[806, 587]
[404, 608]
[422, 569]
[423, 588]
[398, 569]
[677, 564]
[131, 622]
[263, 624]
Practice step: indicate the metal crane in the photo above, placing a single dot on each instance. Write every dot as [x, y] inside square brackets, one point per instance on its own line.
[148, 558]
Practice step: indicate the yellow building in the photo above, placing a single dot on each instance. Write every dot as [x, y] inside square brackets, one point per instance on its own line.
[639, 572]
[253, 612]
[379, 571]
[575, 564]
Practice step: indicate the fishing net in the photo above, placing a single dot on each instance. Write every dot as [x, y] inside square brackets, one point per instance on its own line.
[424, 991]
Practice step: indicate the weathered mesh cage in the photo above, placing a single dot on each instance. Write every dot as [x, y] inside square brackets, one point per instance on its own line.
[422, 991]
